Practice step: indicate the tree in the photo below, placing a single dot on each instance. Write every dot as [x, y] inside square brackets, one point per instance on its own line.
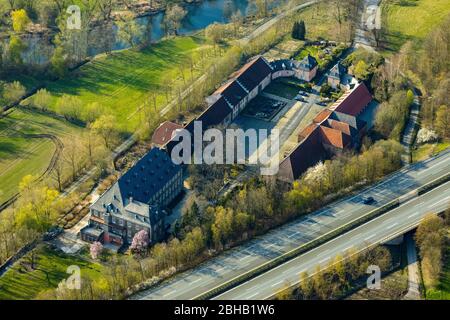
[40, 209]
[96, 250]
[174, 16]
[16, 48]
[306, 286]
[222, 226]
[20, 20]
[105, 127]
[443, 121]
[58, 62]
[430, 240]
[426, 135]
[299, 30]
[12, 92]
[237, 20]
[130, 32]
[69, 106]
[361, 70]
[140, 242]
[42, 99]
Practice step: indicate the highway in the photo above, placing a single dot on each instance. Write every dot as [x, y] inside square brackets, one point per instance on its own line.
[241, 259]
[388, 226]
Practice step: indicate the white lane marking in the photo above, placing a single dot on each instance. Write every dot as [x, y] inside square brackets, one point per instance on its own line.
[170, 293]
[346, 249]
[414, 214]
[276, 284]
[442, 201]
[256, 293]
[391, 226]
[370, 237]
[195, 281]
[323, 260]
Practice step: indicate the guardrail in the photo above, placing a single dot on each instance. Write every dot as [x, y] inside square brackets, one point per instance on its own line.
[314, 243]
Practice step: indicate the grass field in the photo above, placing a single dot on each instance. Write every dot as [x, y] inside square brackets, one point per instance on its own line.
[428, 150]
[411, 20]
[21, 155]
[122, 81]
[22, 283]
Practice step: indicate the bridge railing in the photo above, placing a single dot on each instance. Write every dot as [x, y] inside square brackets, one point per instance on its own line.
[315, 243]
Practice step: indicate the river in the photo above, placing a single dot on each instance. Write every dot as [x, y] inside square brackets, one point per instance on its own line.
[199, 16]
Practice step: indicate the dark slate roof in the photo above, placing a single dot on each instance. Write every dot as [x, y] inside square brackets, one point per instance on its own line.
[337, 72]
[307, 153]
[308, 63]
[215, 114]
[232, 92]
[251, 74]
[283, 64]
[354, 101]
[147, 176]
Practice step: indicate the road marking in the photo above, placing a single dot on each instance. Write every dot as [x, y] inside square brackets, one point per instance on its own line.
[414, 214]
[248, 297]
[195, 281]
[275, 284]
[346, 249]
[323, 260]
[370, 237]
[170, 293]
[391, 226]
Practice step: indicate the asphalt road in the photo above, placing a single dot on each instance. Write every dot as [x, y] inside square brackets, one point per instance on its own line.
[395, 222]
[239, 260]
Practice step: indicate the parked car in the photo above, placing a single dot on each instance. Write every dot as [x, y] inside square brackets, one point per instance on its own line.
[368, 200]
[52, 233]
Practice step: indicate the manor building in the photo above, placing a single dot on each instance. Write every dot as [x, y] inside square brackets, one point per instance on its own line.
[332, 131]
[136, 202]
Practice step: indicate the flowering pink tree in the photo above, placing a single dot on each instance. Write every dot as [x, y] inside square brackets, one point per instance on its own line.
[96, 250]
[140, 242]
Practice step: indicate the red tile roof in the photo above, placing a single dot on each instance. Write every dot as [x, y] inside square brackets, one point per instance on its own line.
[307, 131]
[353, 101]
[164, 132]
[322, 116]
[334, 137]
[339, 125]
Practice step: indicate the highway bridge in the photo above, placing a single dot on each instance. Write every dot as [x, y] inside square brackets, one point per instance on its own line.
[242, 259]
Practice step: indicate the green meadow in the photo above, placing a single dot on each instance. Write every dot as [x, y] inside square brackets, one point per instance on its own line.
[411, 20]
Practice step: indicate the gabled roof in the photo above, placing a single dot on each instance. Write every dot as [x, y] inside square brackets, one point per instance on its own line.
[307, 153]
[322, 116]
[334, 137]
[307, 131]
[308, 63]
[337, 72]
[215, 114]
[353, 101]
[341, 126]
[164, 132]
[253, 73]
[147, 176]
[283, 64]
[233, 92]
